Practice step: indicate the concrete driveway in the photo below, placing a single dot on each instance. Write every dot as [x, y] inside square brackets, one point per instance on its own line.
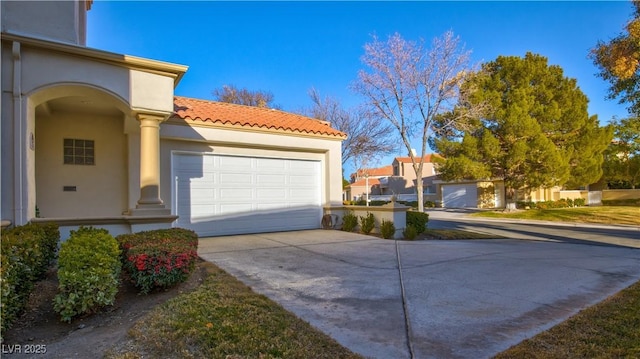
[424, 299]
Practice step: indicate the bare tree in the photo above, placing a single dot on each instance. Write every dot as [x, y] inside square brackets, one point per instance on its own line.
[368, 136]
[409, 86]
[232, 94]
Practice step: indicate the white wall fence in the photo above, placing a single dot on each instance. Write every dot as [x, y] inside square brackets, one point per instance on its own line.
[394, 212]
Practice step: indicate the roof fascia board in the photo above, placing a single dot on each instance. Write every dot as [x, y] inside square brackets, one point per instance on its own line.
[138, 63]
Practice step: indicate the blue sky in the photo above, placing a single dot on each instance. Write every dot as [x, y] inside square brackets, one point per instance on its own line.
[288, 47]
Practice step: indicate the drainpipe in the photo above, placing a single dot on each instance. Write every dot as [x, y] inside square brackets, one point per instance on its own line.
[18, 138]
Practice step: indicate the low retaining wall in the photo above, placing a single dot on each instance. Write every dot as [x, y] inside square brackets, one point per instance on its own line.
[620, 194]
[393, 211]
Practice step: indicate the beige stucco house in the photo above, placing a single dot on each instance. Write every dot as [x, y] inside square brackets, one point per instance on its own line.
[399, 178]
[91, 137]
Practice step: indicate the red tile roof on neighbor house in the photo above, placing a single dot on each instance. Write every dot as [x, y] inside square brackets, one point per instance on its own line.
[427, 158]
[372, 172]
[363, 182]
[232, 115]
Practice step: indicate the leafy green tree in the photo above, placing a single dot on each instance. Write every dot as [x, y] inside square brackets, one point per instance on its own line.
[534, 132]
[619, 63]
[622, 157]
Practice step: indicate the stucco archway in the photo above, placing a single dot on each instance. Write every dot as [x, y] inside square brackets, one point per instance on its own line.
[79, 144]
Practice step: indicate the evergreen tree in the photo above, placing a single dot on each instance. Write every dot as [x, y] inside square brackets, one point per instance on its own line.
[535, 132]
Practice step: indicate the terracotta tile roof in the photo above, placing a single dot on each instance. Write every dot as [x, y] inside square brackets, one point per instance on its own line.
[372, 172]
[427, 158]
[196, 110]
[363, 183]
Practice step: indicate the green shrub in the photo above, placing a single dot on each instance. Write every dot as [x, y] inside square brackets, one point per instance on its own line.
[579, 202]
[160, 258]
[15, 279]
[367, 223]
[570, 202]
[39, 243]
[410, 232]
[349, 222]
[387, 229]
[26, 253]
[621, 202]
[418, 220]
[429, 204]
[88, 272]
[412, 204]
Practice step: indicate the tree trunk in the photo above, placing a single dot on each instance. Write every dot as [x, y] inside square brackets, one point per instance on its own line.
[420, 191]
[511, 198]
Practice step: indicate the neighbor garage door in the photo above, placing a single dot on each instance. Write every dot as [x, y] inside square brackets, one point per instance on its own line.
[460, 196]
[222, 195]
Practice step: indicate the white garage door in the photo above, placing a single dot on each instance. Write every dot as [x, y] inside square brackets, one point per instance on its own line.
[222, 195]
[460, 195]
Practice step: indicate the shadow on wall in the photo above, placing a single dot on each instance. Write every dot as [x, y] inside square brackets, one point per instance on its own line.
[253, 221]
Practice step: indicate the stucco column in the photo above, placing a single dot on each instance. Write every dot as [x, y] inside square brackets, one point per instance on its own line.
[150, 165]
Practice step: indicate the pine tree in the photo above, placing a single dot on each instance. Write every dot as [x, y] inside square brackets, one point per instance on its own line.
[536, 131]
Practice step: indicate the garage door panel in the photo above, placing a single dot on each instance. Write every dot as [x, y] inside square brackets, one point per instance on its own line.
[235, 179]
[302, 181]
[234, 163]
[270, 164]
[272, 194]
[307, 166]
[300, 195]
[235, 208]
[460, 196]
[220, 195]
[236, 194]
[272, 179]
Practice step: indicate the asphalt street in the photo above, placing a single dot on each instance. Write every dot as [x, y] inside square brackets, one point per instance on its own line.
[626, 236]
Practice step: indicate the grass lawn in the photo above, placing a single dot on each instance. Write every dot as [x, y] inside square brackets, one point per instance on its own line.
[223, 318]
[456, 234]
[603, 215]
[610, 329]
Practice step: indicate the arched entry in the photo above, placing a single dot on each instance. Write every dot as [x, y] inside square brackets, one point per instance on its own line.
[80, 148]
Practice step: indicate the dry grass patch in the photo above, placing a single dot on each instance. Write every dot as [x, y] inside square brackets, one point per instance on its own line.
[224, 318]
[610, 329]
[601, 215]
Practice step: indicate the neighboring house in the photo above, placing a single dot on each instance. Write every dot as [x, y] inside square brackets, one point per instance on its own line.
[371, 173]
[397, 179]
[363, 177]
[403, 180]
[96, 138]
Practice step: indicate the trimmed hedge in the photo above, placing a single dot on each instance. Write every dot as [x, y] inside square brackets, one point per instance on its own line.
[621, 202]
[26, 252]
[88, 272]
[159, 258]
[561, 203]
[418, 220]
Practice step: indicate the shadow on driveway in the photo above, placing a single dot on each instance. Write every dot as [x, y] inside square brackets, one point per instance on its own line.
[456, 299]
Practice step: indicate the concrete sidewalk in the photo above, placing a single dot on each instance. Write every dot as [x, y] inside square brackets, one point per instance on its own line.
[462, 299]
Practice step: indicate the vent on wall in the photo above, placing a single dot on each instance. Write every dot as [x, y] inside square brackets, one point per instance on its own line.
[69, 188]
